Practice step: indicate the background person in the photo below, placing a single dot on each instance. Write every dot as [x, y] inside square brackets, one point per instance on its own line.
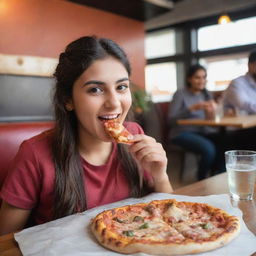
[194, 101]
[240, 95]
[77, 166]
[240, 98]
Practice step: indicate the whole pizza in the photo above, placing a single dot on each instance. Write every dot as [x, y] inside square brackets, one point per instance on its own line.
[165, 227]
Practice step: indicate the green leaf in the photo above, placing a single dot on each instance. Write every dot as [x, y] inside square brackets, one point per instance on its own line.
[205, 225]
[145, 225]
[141, 99]
[128, 233]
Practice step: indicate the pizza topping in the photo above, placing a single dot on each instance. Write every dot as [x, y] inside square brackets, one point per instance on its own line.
[128, 233]
[145, 225]
[138, 218]
[176, 213]
[153, 211]
[119, 220]
[205, 225]
[175, 219]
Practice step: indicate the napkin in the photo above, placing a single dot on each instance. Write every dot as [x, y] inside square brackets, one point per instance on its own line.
[71, 235]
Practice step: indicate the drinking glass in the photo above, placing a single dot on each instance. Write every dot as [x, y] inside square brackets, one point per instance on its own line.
[241, 169]
[219, 112]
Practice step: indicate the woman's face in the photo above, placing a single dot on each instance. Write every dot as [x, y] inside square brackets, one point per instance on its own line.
[198, 80]
[102, 92]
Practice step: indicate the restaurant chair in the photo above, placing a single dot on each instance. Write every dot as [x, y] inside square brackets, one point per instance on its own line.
[11, 136]
[162, 109]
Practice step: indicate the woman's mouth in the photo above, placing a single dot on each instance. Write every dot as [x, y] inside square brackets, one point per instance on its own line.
[108, 117]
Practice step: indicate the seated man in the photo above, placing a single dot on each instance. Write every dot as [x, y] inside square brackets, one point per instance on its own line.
[240, 96]
[240, 99]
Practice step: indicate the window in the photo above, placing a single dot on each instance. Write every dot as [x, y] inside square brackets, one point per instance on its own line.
[241, 32]
[167, 63]
[161, 81]
[222, 69]
[160, 44]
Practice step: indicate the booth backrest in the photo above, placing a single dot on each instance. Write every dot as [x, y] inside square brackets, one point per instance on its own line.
[162, 109]
[11, 136]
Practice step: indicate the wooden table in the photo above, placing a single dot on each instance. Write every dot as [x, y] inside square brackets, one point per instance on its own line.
[237, 121]
[214, 185]
[218, 185]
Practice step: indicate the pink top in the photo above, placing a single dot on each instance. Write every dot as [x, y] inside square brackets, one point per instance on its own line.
[30, 181]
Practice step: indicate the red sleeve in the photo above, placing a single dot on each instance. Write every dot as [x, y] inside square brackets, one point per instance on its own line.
[133, 128]
[22, 185]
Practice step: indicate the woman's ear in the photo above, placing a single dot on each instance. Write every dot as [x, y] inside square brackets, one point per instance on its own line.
[69, 106]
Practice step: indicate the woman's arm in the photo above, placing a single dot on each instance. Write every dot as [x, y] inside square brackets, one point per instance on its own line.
[179, 108]
[151, 156]
[12, 218]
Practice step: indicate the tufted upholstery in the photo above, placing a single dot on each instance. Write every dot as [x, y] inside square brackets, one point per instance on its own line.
[11, 136]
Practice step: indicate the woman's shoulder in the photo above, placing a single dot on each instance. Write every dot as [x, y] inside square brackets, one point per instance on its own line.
[40, 142]
[133, 127]
[180, 92]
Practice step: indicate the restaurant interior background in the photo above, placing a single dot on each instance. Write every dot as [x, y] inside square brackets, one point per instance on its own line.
[161, 37]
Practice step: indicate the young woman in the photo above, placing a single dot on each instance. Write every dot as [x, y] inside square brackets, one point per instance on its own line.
[77, 166]
[194, 101]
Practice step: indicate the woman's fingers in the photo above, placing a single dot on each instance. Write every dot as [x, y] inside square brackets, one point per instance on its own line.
[149, 150]
[149, 154]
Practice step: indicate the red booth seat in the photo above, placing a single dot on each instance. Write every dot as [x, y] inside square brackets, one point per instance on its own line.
[11, 136]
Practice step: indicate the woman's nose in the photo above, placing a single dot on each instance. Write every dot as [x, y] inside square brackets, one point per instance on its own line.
[112, 100]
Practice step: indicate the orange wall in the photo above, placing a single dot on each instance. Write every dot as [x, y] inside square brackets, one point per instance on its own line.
[45, 27]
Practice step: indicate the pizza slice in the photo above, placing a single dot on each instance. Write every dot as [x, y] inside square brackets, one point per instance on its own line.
[117, 131]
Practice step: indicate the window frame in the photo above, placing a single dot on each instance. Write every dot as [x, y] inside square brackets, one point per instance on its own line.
[186, 36]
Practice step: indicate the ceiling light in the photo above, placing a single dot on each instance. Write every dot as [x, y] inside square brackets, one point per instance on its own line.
[224, 19]
[162, 3]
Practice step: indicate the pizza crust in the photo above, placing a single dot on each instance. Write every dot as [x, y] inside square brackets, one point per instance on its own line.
[111, 239]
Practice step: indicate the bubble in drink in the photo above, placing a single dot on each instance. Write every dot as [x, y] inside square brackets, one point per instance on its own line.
[241, 179]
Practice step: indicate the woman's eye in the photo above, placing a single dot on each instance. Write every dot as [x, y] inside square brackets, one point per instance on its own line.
[122, 87]
[95, 90]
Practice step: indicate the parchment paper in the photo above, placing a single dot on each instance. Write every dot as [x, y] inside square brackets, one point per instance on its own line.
[71, 235]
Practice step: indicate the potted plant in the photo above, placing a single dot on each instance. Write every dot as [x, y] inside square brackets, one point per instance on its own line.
[141, 103]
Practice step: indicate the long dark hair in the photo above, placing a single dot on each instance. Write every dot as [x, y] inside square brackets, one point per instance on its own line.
[69, 181]
[191, 71]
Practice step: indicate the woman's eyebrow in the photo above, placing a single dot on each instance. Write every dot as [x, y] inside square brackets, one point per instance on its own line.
[93, 82]
[102, 83]
[122, 80]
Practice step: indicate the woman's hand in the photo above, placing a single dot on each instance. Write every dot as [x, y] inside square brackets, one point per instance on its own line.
[151, 156]
[202, 105]
[209, 107]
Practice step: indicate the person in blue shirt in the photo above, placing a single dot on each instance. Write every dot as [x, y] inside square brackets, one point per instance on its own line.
[240, 99]
[194, 101]
[240, 96]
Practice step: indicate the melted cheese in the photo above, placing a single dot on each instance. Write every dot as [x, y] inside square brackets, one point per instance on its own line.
[187, 225]
[177, 213]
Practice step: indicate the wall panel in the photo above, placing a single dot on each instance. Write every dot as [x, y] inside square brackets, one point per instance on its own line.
[44, 27]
